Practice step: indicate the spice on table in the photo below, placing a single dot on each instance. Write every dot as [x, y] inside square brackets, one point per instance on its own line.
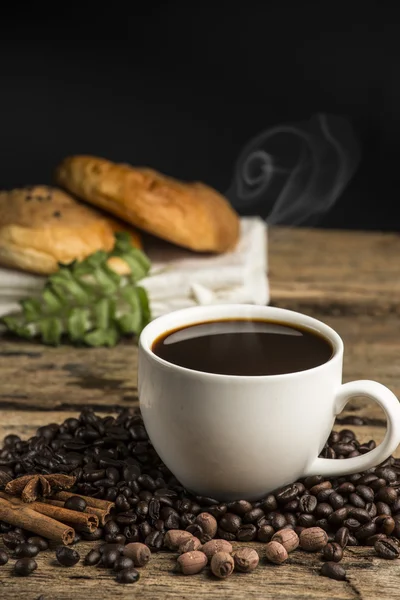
[334, 571]
[22, 515]
[222, 565]
[68, 557]
[139, 553]
[246, 559]
[214, 546]
[276, 553]
[80, 521]
[288, 538]
[25, 566]
[32, 487]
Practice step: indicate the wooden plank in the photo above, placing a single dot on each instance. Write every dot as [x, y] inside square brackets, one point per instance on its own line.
[344, 271]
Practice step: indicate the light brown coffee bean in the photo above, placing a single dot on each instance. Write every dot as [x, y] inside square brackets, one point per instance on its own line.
[214, 546]
[313, 539]
[222, 565]
[288, 538]
[276, 553]
[191, 563]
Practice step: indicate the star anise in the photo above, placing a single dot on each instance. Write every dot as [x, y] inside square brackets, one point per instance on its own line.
[32, 487]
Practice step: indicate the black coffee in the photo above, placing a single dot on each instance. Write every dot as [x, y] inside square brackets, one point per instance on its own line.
[244, 347]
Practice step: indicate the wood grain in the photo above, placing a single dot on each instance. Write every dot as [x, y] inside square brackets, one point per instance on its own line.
[351, 281]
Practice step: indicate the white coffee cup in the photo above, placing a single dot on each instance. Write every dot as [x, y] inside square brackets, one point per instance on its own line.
[239, 437]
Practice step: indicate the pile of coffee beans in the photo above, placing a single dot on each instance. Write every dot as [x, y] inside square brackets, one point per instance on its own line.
[113, 459]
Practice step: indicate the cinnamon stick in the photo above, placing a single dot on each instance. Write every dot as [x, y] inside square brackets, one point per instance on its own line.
[93, 502]
[102, 515]
[80, 521]
[24, 516]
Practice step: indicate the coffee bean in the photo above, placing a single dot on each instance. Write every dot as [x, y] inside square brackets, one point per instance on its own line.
[265, 533]
[240, 507]
[323, 510]
[383, 509]
[377, 484]
[109, 556]
[322, 524]
[269, 503]
[387, 495]
[346, 488]
[12, 539]
[208, 525]
[75, 503]
[307, 504]
[225, 535]
[360, 514]
[3, 558]
[222, 509]
[365, 492]
[230, 522]
[253, 515]
[387, 548]
[334, 571]
[356, 500]
[67, 556]
[332, 552]
[389, 475]
[313, 480]
[97, 534]
[93, 557]
[123, 562]
[111, 528]
[325, 495]
[352, 541]
[365, 531]
[370, 507]
[351, 524]
[336, 518]
[305, 520]
[154, 540]
[128, 576]
[374, 538]
[291, 520]
[385, 524]
[278, 521]
[246, 533]
[26, 550]
[38, 541]
[25, 566]
[287, 493]
[313, 539]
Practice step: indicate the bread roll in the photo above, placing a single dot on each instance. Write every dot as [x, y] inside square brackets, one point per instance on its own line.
[191, 215]
[42, 226]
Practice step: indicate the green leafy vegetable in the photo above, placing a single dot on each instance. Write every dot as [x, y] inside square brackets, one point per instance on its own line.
[87, 302]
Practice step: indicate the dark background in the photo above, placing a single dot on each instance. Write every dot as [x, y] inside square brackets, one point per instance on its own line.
[182, 86]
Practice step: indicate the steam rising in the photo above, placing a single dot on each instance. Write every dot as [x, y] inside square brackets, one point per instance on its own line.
[293, 174]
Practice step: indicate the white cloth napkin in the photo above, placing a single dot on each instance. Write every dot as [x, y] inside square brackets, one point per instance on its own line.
[178, 278]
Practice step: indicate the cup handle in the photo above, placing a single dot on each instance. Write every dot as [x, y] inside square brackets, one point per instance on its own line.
[388, 401]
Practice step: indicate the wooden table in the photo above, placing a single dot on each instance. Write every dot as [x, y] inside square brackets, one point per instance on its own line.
[350, 280]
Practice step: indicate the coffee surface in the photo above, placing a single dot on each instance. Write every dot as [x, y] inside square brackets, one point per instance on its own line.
[243, 347]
